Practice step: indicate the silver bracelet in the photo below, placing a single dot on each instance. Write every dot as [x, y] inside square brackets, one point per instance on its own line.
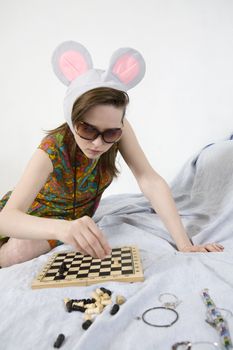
[188, 345]
[169, 304]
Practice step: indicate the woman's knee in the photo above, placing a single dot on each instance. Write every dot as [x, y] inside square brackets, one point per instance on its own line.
[218, 155]
[16, 251]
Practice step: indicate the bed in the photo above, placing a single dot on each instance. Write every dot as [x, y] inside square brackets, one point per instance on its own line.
[203, 191]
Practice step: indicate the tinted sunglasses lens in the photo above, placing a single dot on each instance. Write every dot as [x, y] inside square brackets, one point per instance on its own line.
[87, 132]
[112, 135]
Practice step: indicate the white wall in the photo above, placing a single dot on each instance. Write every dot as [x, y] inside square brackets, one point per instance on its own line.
[184, 102]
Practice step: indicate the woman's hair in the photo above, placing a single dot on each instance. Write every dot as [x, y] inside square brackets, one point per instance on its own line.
[91, 98]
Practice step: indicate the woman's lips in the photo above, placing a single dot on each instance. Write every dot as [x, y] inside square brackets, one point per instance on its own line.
[94, 151]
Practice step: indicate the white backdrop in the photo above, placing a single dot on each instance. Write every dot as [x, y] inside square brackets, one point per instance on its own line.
[184, 102]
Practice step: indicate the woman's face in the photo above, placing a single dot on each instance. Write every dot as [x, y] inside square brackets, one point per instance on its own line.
[101, 117]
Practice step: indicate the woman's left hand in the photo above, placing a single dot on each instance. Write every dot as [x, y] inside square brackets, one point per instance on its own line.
[203, 248]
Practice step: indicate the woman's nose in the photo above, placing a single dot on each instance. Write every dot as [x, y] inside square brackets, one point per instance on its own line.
[98, 141]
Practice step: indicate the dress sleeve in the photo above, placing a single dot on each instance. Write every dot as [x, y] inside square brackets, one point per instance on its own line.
[48, 144]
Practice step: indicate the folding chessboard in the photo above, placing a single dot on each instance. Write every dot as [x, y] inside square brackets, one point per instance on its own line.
[74, 269]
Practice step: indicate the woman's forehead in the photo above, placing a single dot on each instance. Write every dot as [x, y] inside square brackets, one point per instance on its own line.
[104, 116]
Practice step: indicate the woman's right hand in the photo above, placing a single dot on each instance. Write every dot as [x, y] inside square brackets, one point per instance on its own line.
[86, 237]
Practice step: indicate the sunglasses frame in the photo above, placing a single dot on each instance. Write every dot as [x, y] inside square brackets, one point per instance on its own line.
[98, 133]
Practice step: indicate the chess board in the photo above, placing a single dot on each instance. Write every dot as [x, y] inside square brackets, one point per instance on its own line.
[74, 269]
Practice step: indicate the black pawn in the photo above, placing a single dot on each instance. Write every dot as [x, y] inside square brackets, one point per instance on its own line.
[59, 341]
[86, 324]
[69, 305]
[114, 309]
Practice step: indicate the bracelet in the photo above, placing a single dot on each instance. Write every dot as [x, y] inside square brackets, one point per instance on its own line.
[169, 304]
[157, 308]
[188, 345]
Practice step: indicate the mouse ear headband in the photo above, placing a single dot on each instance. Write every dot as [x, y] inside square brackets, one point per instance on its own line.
[72, 64]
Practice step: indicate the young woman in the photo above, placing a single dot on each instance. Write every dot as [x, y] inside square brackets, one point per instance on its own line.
[54, 201]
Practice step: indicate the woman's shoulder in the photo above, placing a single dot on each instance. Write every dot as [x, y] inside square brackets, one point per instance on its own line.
[54, 141]
[54, 144]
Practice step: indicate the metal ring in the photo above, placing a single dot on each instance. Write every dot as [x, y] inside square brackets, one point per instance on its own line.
[177, 345]
[163, 308]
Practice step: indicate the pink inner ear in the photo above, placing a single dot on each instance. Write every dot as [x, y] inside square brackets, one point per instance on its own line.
[126, 68]
[72, 64]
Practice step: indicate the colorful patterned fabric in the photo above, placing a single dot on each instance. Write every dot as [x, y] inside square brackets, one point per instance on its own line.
[55, 200]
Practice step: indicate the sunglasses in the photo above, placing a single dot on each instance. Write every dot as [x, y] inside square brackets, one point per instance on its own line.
[90, 132]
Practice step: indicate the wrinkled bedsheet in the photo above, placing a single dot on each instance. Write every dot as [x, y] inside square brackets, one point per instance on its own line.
[203, 191]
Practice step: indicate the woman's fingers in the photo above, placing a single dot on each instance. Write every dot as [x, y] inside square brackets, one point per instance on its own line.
[100, 240]
[201, 249]
[196, 249]
[219, 246]
[90, 243]
[89, 238]
[214, 247]
[97, 247]
[86, 248]
[210, 247]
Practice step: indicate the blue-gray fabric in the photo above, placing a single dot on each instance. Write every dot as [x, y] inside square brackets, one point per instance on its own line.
[203, 191]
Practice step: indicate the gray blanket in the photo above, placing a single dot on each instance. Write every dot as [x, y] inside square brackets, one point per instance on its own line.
[203, 190]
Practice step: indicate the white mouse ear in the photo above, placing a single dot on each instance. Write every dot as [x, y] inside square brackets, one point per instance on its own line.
[70, 60]
[128, 66]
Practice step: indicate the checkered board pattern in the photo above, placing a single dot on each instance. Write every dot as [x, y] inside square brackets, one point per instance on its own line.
[122, 265]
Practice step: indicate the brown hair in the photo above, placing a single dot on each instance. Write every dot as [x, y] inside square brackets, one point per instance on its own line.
[91, 98]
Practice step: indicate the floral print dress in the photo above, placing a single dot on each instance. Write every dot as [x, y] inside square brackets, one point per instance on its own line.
[56, 198]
